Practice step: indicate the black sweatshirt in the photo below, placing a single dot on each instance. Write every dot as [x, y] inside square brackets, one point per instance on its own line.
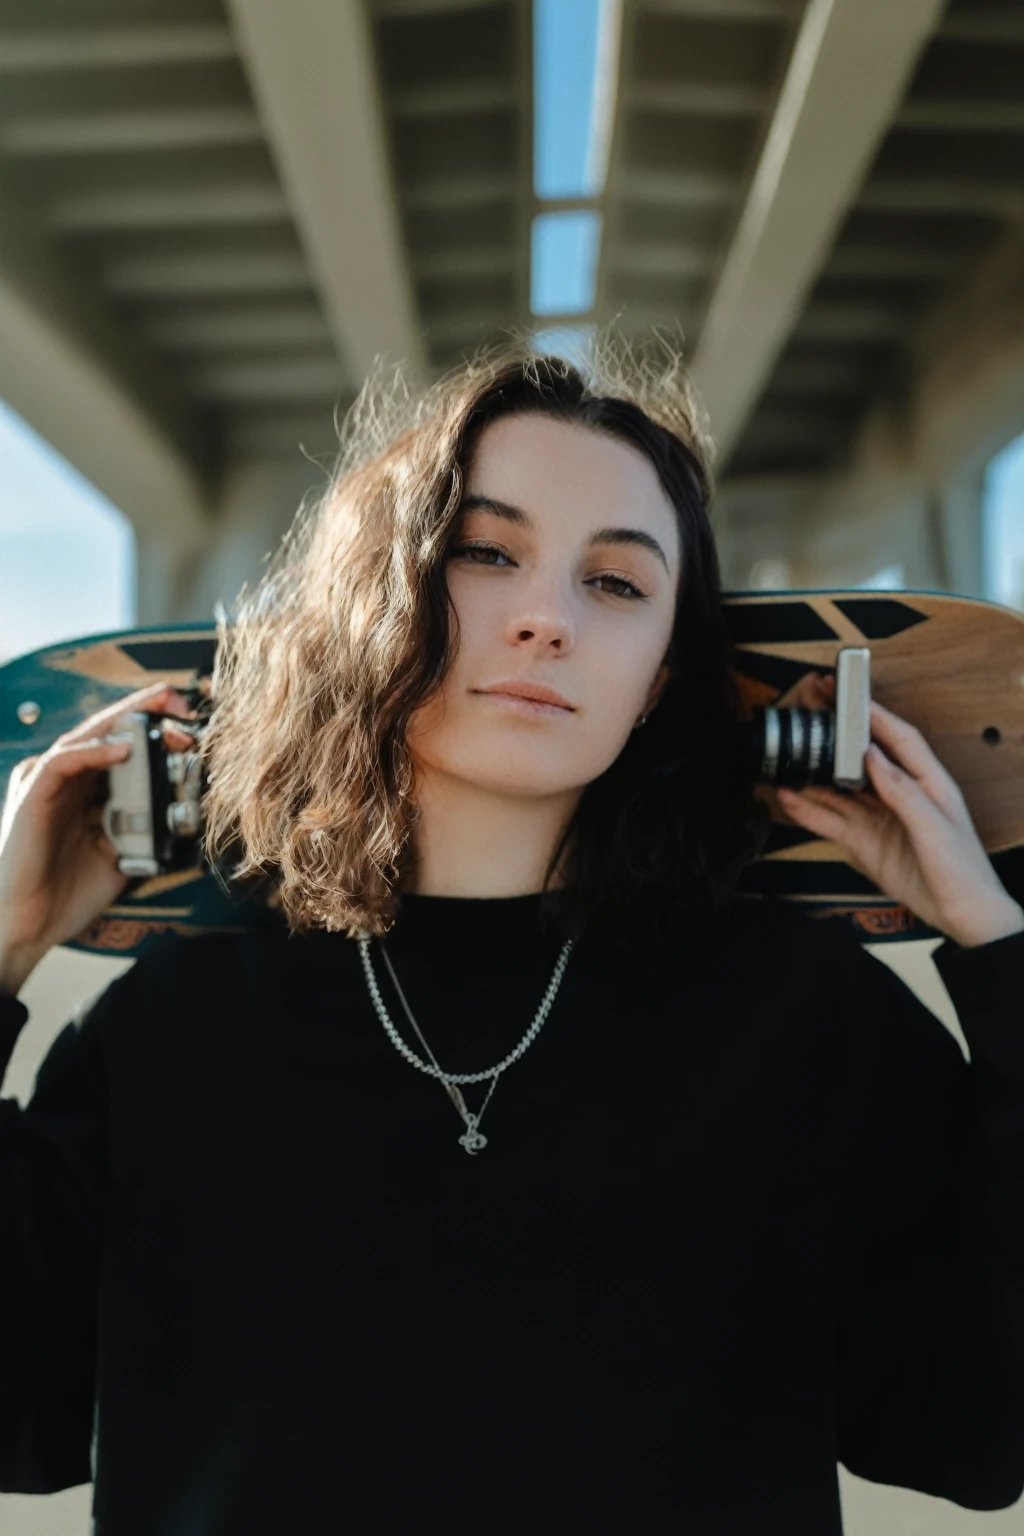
[744, 1210]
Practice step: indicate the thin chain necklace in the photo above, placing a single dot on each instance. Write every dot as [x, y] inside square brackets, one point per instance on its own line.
[471, 1138]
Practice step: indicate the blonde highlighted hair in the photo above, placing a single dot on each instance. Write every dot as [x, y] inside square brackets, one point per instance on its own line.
[324, 660]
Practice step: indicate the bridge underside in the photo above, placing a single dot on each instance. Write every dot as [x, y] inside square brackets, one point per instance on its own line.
[214, 216]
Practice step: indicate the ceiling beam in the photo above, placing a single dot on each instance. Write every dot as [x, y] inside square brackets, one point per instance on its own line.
[81, 48]
[222, 273]
[470, 325]
[692, 98]
[728, 10]
[215, 205]
[661, 258]
[699, 98]
[459, 191]
[271, 380]
[832, 373]
[971, 116]
[565, 204]
[252, 433]
[399, 8]
[943, 194]
[865, 320]
[452, 98]
[88, 133]
[985, 24]
[254, 328]
[72, 375]
[468, 261]
[680, 189]
[846, 78]
[313, 74]
[888, 260]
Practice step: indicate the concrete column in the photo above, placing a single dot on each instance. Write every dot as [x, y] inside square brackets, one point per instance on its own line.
[164, 572]
[254, 510]
[956, 512]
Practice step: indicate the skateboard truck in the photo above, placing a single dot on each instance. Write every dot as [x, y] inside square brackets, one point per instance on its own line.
[795, 746]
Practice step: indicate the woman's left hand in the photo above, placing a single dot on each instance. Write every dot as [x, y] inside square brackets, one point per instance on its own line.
[914, 837]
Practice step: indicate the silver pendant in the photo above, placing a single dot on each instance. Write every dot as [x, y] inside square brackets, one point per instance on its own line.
[472, 1139]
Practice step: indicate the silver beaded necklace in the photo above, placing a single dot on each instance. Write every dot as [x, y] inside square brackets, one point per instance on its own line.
[471, 1138]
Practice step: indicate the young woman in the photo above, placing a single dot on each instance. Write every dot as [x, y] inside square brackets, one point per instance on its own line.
[513, 1174]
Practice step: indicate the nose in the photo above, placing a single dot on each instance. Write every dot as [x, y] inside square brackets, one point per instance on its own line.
[542, 618]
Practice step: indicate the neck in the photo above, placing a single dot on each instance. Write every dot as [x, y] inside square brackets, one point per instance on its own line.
[472, 842]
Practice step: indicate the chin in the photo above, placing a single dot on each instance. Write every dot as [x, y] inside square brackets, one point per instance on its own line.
[514, 769]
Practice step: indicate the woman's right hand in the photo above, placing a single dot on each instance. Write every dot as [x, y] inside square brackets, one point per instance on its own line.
[58, 870]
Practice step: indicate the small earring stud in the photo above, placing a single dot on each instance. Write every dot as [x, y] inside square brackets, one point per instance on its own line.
[642, 721]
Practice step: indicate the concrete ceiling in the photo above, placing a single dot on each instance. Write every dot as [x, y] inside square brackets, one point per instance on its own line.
[214, 215]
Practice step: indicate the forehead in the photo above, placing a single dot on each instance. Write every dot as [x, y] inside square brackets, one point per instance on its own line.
[556, 470]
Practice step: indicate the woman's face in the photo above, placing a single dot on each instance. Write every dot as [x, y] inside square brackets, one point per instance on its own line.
[563, 571]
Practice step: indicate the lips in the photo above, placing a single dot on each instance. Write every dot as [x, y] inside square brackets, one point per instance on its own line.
[531, 693]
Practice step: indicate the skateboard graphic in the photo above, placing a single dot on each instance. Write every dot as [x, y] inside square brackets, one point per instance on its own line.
[952, 666]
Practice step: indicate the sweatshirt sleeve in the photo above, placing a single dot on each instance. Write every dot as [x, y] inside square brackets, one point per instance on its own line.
[52, 1203]
[930, 1297]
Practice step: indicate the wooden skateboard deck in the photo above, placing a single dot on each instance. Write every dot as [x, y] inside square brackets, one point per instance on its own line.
[952, 666]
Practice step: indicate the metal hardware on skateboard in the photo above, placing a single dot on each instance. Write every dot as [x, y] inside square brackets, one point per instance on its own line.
[796, 746]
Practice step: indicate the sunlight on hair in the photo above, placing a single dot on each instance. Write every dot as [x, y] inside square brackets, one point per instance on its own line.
[574, 343]
[321, 663]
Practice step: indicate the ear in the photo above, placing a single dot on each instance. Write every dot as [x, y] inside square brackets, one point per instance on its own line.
[657, 687]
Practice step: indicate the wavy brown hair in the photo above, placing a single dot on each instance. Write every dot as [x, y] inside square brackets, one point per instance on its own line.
[350, 630]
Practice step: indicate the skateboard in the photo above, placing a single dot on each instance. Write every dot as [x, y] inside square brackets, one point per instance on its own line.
[952, 666]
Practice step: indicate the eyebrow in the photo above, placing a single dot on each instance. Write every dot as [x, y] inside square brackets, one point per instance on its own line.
[516, 515]
[499, 508]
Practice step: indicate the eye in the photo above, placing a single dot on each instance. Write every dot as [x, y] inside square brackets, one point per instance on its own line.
[618, 586]
[479, 554]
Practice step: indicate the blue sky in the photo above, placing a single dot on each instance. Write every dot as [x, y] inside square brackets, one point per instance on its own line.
[565, 39]
[67, 557]
[566, 35]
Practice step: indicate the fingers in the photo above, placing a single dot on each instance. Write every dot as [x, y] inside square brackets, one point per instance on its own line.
[154, 699]
[824, 686]
[925, 820]
[818, 815]
[907, 750]
[21, 770]
[815, 690]
[904, 745]
[857, 822]
[65, 760]
[904, 794]
[176, 740]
